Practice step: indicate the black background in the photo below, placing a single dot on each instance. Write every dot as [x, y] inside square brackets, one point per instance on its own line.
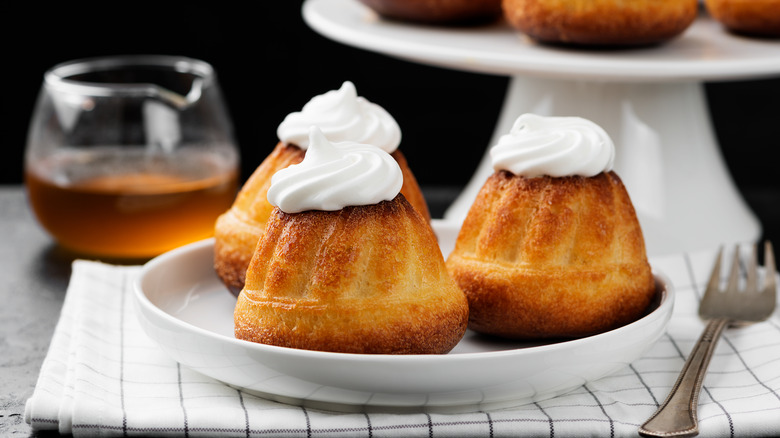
[269, 63]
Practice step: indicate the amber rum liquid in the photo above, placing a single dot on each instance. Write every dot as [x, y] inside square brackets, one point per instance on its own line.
[109, 206]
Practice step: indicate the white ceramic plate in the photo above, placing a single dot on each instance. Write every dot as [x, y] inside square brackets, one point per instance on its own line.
[703, 52]
[184, 307]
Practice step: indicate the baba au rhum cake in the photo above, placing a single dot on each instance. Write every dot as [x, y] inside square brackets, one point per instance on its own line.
[749, 17]
[341, 115]
[346, 264]
[551, 247]
[601, 22]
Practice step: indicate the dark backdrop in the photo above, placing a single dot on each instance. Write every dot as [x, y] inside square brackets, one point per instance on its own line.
[270, 63]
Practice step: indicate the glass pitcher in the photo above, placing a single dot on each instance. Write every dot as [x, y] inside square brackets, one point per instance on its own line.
[131, 156]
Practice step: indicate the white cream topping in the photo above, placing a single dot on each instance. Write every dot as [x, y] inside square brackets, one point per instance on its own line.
[554, 146]
[335, 175]
[342, 115]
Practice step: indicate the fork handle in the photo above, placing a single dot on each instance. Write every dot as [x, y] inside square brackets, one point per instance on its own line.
[676, 417]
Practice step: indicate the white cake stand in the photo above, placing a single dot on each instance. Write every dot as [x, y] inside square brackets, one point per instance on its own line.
[650, 100]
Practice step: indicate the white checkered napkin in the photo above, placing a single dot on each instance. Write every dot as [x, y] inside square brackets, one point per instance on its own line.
[103, 375]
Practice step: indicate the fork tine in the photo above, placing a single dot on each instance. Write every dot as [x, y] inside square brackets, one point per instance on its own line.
[751, 285]
[769, 265]
[732, 285]
[714, 283]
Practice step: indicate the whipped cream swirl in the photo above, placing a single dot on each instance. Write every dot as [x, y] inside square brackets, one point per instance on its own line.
[342, 115]
[554, 146]
[335, 175]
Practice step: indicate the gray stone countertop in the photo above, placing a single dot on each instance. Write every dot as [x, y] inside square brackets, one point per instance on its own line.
[34, 274]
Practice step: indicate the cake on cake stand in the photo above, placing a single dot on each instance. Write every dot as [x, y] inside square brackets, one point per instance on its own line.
[650, 100]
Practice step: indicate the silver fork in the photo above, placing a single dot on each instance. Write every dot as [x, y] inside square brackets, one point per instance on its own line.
[676, 417]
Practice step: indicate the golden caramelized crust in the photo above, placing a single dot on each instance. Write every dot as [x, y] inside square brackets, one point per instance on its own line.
[368, 279]
[601, 22]
[552, 257]
[750, 17]
[437, 11]
[237, 230]
[410, 188]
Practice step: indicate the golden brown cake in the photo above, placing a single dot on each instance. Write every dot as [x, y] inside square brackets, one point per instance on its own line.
[365, 278]
[749, 17]
[437, 11]
[551, 246]
[601, 22]
[238, 229]
[552, 257]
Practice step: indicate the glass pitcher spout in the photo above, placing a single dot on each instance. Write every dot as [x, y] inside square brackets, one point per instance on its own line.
[177, 100]
[106, 77]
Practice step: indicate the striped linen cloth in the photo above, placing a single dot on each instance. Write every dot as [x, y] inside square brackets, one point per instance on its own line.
[103, 375]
